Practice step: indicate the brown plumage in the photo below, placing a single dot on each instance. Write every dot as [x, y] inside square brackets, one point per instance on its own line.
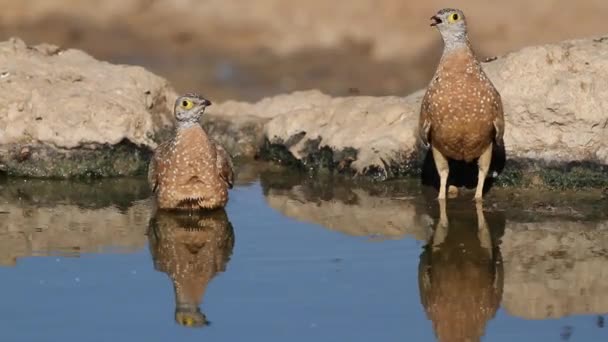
[461, 115]
[190, 171]
[191, 250]
[460, 275]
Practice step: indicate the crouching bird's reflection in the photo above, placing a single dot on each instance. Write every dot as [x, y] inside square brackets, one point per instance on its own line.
[191, 249]
[460, 274]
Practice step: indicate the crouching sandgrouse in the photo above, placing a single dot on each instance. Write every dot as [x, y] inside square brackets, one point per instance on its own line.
[461, 115]
[190, 171]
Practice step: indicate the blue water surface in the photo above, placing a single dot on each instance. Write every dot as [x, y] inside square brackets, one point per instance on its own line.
[286, 281]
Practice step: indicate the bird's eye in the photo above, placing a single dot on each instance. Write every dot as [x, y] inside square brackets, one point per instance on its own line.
[187, 104]
[454, 17]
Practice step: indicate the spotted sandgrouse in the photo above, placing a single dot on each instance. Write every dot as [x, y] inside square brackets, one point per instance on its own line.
[190, 171]
[461, 115]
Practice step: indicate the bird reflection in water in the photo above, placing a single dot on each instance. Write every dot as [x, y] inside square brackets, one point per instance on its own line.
[191, 248]
[460, 274]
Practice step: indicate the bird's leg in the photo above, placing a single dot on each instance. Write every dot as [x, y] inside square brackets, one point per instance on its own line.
[441, 163]
[484, 165]
[441, 229]
[483, 230]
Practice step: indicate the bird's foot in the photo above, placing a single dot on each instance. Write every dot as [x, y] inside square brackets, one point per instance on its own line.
[452, 191]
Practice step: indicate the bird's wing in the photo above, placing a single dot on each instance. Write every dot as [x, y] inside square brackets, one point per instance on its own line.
[156, 165]
[152, 180]
[224, 165]
[499, 120]
[424, 122]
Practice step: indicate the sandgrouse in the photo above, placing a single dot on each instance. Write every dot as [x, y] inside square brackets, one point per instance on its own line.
[190, 171]
[461, 115]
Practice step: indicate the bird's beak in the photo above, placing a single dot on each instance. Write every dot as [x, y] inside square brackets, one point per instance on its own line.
[204, 104]
[436, 20]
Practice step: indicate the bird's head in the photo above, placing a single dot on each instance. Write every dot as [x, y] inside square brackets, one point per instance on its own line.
[190, 318]
[189, 108]
[452, 25]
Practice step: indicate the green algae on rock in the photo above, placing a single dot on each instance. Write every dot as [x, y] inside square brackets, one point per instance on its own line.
[123, 159]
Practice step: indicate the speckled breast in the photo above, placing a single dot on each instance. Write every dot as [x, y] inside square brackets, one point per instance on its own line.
[461, 109]
[193, 179]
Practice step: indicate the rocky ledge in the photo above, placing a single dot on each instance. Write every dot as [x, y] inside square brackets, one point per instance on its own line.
[556, 112]
[64, 114]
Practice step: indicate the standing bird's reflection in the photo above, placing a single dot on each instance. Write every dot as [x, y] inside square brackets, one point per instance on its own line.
[460, 273]
[191, 250]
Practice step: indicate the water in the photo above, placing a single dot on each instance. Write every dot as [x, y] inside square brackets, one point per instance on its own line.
[292, 259]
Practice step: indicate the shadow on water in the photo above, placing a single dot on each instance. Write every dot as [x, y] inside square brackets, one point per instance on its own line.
[460, 274]
[191, 250]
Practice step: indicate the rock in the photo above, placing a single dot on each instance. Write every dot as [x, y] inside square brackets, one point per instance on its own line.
[555, 102]
[239, 134]
[555, 111]
[305, 121]
[65, 114]
[40, 218]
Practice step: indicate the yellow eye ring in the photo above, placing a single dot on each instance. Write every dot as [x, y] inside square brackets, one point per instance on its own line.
[454, 17]
[187, 104]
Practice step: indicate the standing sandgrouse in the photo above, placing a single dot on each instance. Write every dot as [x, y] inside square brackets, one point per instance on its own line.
[461, 115]
[190, 171]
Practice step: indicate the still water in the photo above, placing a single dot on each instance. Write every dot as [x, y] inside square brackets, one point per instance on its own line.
[295, 260]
